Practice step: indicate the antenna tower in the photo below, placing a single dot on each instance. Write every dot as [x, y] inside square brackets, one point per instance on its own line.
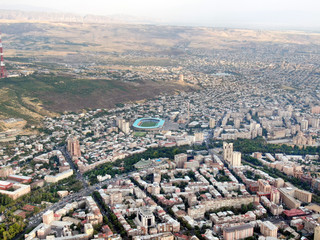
[3, 72]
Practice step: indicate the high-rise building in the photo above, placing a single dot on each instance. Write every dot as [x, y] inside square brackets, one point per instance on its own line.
[304, 125]
[268, 229]
[48, 217]
[181, 80]
[145, 217]
[279, 183]
[236, 159]
[315, 110]
[227, 151]
[123, 125]
[315, 122]
[212, 123]
[275, 196]
[264, 186]
[74, 147]
[180, 159]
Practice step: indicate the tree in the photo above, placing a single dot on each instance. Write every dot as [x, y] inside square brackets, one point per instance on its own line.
[36, 210]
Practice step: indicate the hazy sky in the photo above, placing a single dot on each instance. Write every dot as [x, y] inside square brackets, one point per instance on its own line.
[291, 13]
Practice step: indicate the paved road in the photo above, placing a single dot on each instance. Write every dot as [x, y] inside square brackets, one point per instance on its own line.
[37, 219]
[73, 166]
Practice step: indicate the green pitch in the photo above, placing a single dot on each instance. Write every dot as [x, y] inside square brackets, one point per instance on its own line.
[148, 124]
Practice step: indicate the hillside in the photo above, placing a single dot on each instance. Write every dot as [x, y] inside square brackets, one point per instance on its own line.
[35, 96]
[67, 63]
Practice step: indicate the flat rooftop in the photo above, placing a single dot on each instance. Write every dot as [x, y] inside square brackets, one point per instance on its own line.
[238, 228]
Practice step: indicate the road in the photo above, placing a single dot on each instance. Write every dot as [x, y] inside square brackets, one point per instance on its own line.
[73, 166]
[37, 219]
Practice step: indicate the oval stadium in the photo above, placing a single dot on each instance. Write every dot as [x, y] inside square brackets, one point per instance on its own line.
[148, 124]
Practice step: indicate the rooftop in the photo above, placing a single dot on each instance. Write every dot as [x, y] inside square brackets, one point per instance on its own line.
[238, 228]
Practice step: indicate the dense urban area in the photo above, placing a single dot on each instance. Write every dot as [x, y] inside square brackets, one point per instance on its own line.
[230, 152]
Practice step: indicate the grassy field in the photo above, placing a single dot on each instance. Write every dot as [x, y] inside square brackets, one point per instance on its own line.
[140, 134]
[148, 124]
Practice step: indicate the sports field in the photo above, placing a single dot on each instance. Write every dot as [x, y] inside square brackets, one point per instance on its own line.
[149, 123]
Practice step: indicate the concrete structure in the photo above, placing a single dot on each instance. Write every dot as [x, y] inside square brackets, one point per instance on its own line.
[88, 229]
[286, 195]
[275, 196]
[5, 171]
[198, 137]
[197, 212]
[181, 78]
[18, 190]
[236, 159]
[212, 123]
[48, 217]
[180, 159]
[279, 183]
[304, 125]
[73, 147]
[139, 124]
[264, 186]
[227, 151]
[228, 202]
[20, 179]
[123, 125]
[303, 196]
[4, 185]
[238, 232]
[145, 217]
[59, 176]
[268, 229]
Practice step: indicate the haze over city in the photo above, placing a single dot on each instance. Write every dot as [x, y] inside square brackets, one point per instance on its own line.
[272, 14]
[159, 120]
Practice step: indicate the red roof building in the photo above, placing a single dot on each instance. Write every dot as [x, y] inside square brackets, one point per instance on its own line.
[28, 208]
[20, 179]
[4, 185]
[293, 213]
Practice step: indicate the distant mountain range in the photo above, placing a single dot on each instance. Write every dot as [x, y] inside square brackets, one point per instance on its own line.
[49, 16]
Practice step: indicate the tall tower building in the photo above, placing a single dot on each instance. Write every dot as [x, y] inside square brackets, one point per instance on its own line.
[74, 147]
[236, 159]
[48, 217]
[3, 72]
[304, 125]
[180, 159]
[227, 151]
[212, 123]
[181, 80]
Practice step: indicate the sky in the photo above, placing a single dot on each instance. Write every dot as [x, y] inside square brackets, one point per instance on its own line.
[246, 13]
